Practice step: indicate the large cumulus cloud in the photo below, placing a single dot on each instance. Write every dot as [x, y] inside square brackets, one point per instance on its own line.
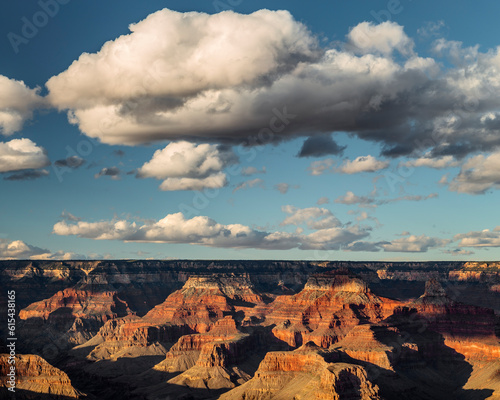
[219, 77]
[180, 75]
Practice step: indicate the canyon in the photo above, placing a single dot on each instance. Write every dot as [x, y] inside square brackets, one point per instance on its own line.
[183, 329]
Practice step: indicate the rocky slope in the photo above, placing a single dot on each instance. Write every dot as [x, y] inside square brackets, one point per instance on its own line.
[36, 377]
[468, 329]
[68, 318]
[195, 308]
[328, 307]
[305, 373]
[438, 347]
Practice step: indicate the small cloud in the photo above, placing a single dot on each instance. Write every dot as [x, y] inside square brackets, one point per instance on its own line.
[113, 172]
[321, 166]
[431, 29]
[252, 171]
[27, 175]
[283, 187]
[430, 162]
[119, 153]
[319, 146]
[444, 180]
[408, 198]
[188, 166]
[362, 246]
[66, 216]
[322, 200]
[458, 252]
[414, 244]
[383, 38]
[250, 184]
[362, 164]
[314, 217]
[73, 162]
[484, 238]
[350, 198]
[19, 250]
[21, 154]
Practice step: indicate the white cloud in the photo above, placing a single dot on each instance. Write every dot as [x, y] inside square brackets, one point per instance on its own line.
[414, 244]
[145, 87]
[384, 38]
[187, 166]
[478, 174]
[422, 64]
[17, 102]
[351, 198]
[408, 198]
[431, 29]
[20, 154]
[252, 171]
[363, 246]
[458, 252]
[430, 162]
[321, 166]
[215, 181]
[60, 255]
[443, 181]
[362, 164]
[140, 83]
[284, 187]
[322, 200]
[484, 238]
[314, 217]
[333, 238]
[19, 250]
[249, 184]
[175, 228]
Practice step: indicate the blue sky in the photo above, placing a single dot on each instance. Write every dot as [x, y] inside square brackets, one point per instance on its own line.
[384, 134]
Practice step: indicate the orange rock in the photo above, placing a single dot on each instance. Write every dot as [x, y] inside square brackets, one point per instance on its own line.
[305, 373]
[328, 307]
[81, 304]
[196, 308]
[34, 374]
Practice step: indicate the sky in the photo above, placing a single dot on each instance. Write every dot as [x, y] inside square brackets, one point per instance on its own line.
[237, 129]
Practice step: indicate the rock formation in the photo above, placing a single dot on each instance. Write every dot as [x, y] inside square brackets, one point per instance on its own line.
[68, 318]
[305, 373]
[328, 307]
[36, 377]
